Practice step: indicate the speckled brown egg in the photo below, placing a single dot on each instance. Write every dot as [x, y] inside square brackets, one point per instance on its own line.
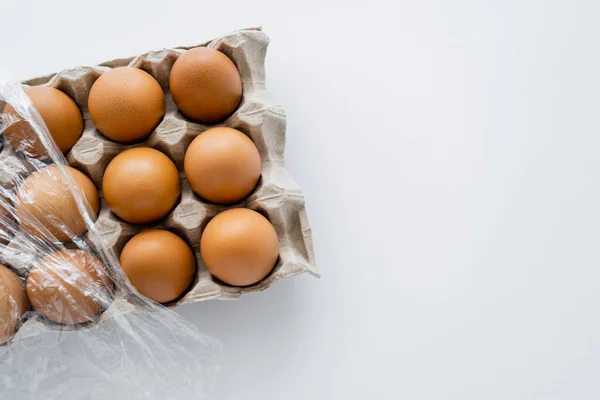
[159, 264]
[222, 165]
[60, 114]
[239, 247]
[126, 104]
[141, 185]
[205, 84]
[13, 303]
[46, 208]
[69, 286]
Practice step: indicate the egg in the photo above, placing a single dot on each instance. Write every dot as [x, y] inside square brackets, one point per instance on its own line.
[60, 114]
[222, 165]
[46, 208]
[239, 247]
[159, 264]
[141, 185]
[205, 84]
[13, 303]
[126, 104]
[69, 286]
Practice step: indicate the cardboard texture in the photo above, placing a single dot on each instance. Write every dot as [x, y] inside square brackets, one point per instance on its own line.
[277, 196]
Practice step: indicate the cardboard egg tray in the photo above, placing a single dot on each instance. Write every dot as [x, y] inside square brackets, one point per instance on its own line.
[276, 196]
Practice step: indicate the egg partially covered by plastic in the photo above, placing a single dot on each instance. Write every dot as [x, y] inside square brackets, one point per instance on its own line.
[13, 303]
[239, 246]
[60, 114]
[45, 206]
[69, 286]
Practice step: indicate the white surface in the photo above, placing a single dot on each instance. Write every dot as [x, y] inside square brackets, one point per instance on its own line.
[448, 151]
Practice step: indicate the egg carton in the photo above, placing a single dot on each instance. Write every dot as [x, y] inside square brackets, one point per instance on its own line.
[276, 196]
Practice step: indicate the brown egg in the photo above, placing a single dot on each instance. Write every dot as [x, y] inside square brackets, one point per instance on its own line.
[141, 185]
[60, 114]
[13, 303]
[46, 208]
[159, 264]
[69, 286]
[239, 247]
[222, 165]
[126, 104]
[205, 84]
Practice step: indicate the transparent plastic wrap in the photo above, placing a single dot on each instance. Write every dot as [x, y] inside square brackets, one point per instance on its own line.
[71, 326]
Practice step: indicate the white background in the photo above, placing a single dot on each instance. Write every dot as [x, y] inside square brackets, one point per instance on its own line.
[450, 156]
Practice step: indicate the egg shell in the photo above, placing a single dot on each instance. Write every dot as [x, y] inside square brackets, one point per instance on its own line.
[141, 185]
[69, 286]
[239, 246]
[205, 84]
[126, 104]
[61, 116]
[46, 208]
[13, 303]
[159, 264]
[222, 165]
